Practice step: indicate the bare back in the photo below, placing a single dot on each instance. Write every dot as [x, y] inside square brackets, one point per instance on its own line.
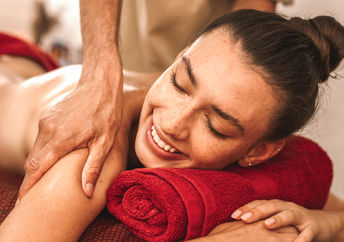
[21, 105]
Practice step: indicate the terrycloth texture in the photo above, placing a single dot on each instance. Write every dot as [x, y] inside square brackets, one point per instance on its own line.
[10, 45]
[103, 228]
[175, 204]
[9, 187]
[106, 228]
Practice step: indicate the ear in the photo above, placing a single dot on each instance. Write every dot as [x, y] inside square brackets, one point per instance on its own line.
[261, 152]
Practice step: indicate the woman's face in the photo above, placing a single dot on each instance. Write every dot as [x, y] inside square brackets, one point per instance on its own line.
[206, 110]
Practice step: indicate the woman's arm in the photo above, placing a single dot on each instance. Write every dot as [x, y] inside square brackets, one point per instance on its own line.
[322, 225]
[56, 209]
[319, 225]
[241, 232]
[336, 206]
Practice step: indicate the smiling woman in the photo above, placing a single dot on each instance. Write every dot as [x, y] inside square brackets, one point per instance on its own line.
[246, 84]
[203, 107]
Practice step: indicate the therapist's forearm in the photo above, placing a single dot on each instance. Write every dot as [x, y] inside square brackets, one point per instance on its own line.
[99, 24]
[99, 27]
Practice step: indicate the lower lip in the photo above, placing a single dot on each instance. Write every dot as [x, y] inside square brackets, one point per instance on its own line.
[159, 151]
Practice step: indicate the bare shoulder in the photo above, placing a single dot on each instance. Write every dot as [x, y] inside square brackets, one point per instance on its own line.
[58, 200]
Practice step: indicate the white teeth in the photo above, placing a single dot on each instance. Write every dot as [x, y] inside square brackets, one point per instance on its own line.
[156, 138]
[161, 143]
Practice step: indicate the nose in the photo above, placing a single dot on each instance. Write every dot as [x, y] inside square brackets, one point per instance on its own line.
[177, 122]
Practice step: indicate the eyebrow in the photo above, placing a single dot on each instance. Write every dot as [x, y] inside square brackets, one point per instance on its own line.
[186, 62]
[230, 118]
[234, 121]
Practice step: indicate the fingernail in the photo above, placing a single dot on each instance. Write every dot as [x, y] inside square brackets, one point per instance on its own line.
[89, 189]
[17, 202]
[246, 216]
[270, 221]
[236, 214]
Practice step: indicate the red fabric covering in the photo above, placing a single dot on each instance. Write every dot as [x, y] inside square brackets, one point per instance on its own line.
[10, 45]
[9, 187]
[104, 228]
[175, 204]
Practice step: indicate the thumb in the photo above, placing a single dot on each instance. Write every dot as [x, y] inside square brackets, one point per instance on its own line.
[35, 166]
[93, 166]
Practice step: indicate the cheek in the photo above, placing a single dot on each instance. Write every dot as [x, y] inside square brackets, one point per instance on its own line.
[208, 153]
[160, 95]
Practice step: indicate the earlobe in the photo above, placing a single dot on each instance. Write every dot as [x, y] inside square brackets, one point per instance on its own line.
[261, 152]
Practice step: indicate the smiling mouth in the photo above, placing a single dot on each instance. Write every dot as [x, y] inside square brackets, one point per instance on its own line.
[162, 144]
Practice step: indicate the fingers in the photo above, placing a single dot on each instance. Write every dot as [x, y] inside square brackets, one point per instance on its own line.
[49, 146]
[307, 235]
[281, 214]
[284, 218]
[262, 209]
[37, 164]
[94, 163]
[249, 211]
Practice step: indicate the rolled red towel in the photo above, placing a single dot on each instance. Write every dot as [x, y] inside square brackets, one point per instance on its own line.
[175, 204]
[10, 45]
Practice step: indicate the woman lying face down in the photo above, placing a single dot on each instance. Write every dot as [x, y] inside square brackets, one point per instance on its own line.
[247, 83]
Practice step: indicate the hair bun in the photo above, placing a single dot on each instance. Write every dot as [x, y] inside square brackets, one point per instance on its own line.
[328, 36]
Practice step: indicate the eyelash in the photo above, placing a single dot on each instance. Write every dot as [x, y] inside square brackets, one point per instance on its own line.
[174, 83]
[180, 89]
[222, 136]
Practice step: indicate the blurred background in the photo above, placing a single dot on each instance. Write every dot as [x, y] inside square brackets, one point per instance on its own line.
[327, 128]
[54, 25]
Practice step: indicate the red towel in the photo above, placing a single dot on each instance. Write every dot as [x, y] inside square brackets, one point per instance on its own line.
[175, 204]
[10, 45]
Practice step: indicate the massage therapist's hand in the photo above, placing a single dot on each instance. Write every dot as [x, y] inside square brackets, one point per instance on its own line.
[89, 117]
[255, 232]
[317, 225]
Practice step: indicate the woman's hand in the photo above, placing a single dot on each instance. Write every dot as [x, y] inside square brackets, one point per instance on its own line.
[241, 232]
[316, 225]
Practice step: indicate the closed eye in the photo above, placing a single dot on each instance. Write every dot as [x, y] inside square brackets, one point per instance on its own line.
[214, 131]
[175, 84]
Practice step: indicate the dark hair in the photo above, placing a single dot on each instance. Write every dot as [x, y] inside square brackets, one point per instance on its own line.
[293, 56]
